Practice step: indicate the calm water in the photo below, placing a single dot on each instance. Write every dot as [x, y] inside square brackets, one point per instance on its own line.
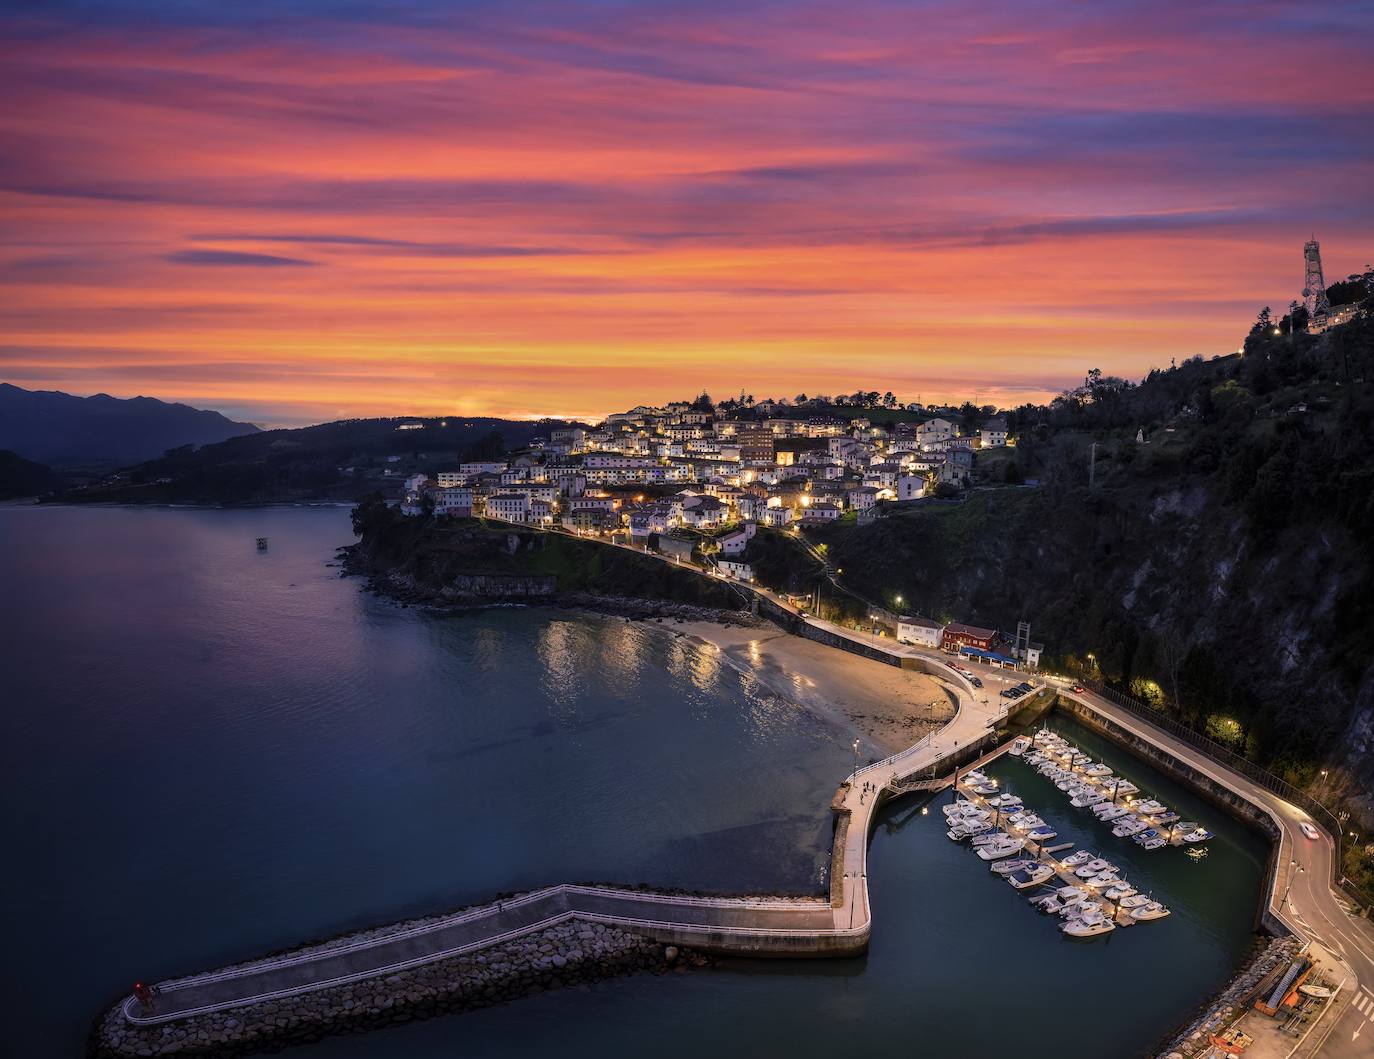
[215, 752]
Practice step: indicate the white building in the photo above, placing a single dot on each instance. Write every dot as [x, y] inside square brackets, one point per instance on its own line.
[735, 543]
[934, 430]
[455, 501]
[911, 487]
[510, 507]
[919, 631]
[481, 467]
[778, 517]
[993, 434]
[738, 570]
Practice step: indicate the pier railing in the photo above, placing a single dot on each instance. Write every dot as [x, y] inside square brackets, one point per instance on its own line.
[1247, 768]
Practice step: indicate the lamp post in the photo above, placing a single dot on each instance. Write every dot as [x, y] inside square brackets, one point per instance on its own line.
[856, 758]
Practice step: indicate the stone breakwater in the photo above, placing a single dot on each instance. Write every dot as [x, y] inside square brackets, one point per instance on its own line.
[1228, 1005]
[568, 954]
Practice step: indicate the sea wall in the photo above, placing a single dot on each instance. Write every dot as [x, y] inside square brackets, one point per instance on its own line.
[1227, 1005]
[570, 953]
[1219, 794]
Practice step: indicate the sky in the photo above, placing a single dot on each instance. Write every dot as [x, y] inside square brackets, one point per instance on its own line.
[302, 211]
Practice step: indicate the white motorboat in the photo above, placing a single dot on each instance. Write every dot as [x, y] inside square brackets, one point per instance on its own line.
[1086, 800]
[1200, 835]
[1087, 906]
[1032, 876]
[1041, 834]
[1026, 821]
[1006, 867]
[989, 836]
[1004, 801]
[1117, 892]
[1151, 910]
[1084, 928]
[1097, 770]
[1127, 828]
[1149, 807]
[1073, 860]
[984, 789]
[1003, 847]
[1134, 901]
[1102, 880]
[1050, 904]
[1124, 787]
[1093, 867]
[963, 831]
[1112, 812]
[1019, 745]
[1067, 782]
[1150, 839]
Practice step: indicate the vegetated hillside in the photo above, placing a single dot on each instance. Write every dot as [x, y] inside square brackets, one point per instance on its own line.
[102, 431]
[21, 477]
[340, 461]
[1221, 569]
[471, 560]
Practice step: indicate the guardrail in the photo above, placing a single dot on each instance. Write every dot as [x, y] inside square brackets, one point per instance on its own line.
[1247, 768]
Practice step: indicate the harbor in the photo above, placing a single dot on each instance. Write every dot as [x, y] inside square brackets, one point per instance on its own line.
[1085, 890]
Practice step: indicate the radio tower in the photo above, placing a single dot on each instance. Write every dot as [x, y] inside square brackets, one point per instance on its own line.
[1314, 287]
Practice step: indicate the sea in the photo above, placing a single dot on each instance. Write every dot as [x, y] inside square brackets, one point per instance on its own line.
[216, 751]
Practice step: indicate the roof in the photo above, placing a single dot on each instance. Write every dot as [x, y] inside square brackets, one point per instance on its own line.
[992, 656]
[823, 507]
[924, 623]
[956, 628]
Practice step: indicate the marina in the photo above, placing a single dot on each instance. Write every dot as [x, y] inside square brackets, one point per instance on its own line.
[1087, 892]
[1113, 799]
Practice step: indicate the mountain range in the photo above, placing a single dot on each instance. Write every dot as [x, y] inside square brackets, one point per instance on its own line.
[69, 432]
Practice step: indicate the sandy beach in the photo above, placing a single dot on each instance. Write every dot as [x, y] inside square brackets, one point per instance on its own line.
[892, 707]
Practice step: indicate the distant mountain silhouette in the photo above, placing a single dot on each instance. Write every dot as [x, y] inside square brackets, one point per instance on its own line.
[65, 431]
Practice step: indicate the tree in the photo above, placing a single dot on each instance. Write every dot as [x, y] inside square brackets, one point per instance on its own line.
[889, 401]
[799, 399]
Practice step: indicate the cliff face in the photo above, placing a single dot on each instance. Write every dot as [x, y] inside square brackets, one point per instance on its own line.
[1200, 540]
[471, 561]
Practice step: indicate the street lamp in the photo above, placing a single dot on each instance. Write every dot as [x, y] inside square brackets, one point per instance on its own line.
[856, 757]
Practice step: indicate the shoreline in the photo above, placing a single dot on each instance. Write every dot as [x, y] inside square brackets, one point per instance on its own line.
[891, 708]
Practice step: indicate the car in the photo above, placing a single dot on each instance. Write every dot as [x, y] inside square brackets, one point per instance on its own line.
[1077, 689]
[975, 682]
[1308, 830]
[1009, 694]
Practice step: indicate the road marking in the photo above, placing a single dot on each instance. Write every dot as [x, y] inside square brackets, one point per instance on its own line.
[1360, 1002]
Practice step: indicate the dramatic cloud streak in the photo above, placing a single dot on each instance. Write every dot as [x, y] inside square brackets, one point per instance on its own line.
[578, 206]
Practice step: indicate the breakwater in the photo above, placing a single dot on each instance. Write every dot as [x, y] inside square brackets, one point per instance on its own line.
[1227, 1004]
[556, 957]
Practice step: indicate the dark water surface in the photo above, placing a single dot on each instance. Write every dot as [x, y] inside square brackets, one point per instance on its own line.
[214, 752]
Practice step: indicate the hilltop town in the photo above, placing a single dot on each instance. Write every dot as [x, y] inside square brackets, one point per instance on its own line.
[696, 476]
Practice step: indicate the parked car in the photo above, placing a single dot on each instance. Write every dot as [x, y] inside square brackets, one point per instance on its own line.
[1077, 689]
[975, 681]
[1309, 830]
[1009, 693]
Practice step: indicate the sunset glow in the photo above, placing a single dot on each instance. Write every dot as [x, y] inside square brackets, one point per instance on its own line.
[573, 208]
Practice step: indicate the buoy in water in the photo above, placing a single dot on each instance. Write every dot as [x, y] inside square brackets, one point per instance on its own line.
[262, 544]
